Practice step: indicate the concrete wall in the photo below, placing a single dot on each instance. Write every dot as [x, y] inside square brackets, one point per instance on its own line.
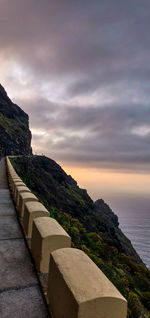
[73, 285]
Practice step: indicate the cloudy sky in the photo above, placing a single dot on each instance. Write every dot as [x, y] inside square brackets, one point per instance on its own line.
[81, 70]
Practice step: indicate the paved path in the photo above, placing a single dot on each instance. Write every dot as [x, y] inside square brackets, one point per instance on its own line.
[20, 293]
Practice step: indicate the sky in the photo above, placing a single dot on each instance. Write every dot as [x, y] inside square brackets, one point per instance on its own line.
[81, 70]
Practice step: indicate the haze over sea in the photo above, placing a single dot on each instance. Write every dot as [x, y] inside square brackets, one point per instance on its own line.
[134, 219]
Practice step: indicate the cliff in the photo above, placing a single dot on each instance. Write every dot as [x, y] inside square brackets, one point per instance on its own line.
[15, 136]
[60, 191]
[93, 227]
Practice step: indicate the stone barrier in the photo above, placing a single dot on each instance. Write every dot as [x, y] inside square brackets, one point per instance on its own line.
[15, 184]
[77, 288]
[32, 210]
[47, 236]
[12, 175]
[23, 198]
[12, 181]
[11, 170]
[20, 189]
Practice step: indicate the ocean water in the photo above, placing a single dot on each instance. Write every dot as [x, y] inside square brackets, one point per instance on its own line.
[134, 219]
[138, 231]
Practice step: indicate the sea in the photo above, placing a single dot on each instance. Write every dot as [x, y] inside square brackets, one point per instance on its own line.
[134, 219]
[138, 231]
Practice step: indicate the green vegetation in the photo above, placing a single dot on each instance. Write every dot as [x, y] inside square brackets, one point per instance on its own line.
[93, 228]
[13, 126]
[15, 136]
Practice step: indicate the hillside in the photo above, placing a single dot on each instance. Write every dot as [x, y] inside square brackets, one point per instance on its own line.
[15, 136]
[93, 226]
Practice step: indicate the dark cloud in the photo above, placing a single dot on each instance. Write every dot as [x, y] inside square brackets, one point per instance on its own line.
[71, 37]
[111, 136]
[86, 76]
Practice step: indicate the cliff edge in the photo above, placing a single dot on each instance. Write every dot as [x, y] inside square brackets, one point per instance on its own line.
[15, 136]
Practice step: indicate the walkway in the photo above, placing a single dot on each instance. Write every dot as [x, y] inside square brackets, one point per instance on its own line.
[20, 293]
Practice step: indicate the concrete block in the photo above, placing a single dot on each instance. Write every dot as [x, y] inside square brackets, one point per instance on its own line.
[15, 184]
[82, 289]
[47, 236]
[16, 179]
[12, 179]
[12, 173]
[32, 210]
[11, 182]
[23, 198]
[19, 188]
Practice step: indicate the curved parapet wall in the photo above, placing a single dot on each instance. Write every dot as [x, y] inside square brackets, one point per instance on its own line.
[76, 287]
[24, 197]
[32, 211]
[19, 188]
[47, 237]
[86, 290]
[18, 183]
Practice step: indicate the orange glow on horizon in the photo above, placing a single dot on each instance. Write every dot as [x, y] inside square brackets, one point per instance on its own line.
[100, 182]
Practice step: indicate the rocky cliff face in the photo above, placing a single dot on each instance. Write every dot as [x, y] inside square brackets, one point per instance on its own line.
[15, 136]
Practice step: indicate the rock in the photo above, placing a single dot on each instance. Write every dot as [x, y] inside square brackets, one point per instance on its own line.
[15, 136]
[105, 210]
